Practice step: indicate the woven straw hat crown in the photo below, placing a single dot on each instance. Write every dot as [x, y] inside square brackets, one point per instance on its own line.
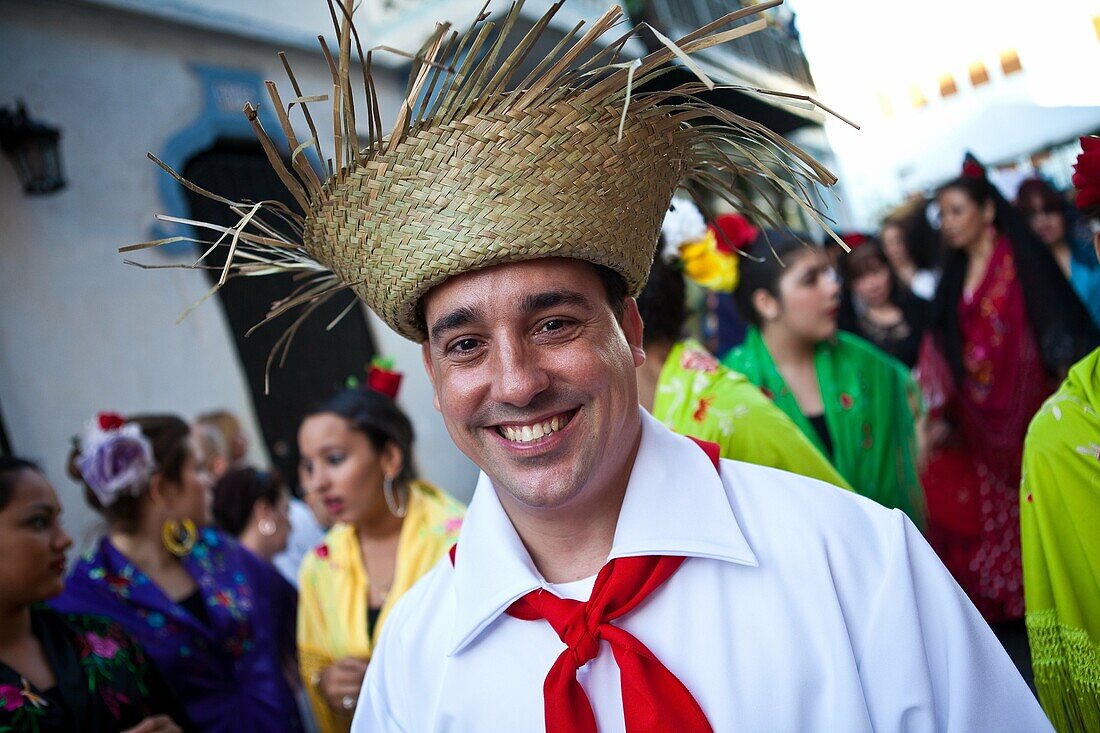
[480, 169]
[440, 204]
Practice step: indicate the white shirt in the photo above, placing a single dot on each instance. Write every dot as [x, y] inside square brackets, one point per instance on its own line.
[305, 534]
[800, 607]
[924, 284]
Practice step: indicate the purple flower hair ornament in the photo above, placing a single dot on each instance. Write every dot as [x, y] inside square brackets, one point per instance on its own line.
[116, 459]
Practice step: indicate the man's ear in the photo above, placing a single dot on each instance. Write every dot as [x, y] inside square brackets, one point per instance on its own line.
[1096, 243]
[426, 355]
[633, 329]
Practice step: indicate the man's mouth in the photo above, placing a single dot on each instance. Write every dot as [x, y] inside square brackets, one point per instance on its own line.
[535, 431]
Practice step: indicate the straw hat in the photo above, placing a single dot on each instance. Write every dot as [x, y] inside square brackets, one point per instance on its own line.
[568, 162]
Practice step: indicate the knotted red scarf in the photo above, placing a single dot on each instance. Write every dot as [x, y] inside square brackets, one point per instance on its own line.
[654, 700]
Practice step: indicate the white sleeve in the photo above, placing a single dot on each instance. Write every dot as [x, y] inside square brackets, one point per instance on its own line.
[929, 661]
[378, 710]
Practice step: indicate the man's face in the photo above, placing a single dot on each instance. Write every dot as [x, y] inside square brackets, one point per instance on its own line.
[535, 378]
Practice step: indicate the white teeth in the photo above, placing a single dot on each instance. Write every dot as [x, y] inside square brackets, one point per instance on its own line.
[533, 432]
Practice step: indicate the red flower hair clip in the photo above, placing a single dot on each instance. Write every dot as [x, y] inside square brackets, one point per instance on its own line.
[733, 232]
[110, 421]
[383, 379]
[1086, 175]
[972, 168]
[854, 239]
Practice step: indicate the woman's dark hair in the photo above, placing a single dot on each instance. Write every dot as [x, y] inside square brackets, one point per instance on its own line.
[1059, 321]
[236, 494]
[379, 418]
[168, 435]
[1035, 195]
[765, 261]
[922, 241]
[854, 264]
[10, 468]
[662, 305]
[981, 192]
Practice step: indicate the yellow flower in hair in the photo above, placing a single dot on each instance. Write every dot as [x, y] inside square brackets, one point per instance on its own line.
[707, 254]
[712, 266]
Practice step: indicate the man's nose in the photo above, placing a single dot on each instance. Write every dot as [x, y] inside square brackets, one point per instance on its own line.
[519, 376]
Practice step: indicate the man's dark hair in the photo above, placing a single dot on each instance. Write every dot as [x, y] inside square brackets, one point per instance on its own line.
[661, 304]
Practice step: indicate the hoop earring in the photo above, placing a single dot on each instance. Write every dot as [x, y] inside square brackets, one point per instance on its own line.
[398, 509]
[266, 527]
[179, 536]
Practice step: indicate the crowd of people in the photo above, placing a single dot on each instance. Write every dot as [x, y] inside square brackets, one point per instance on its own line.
[179, 617]
[777, 571]
[194, 611]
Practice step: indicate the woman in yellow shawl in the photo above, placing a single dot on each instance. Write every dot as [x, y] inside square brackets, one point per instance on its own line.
[391, 528]
[1060, 524]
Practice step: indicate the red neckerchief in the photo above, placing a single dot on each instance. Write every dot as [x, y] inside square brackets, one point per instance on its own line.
[654, 700]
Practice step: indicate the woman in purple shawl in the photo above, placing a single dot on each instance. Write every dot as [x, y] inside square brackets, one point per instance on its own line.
[218, 622]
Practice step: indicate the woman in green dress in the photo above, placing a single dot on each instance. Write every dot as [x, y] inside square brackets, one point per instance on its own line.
[857, 405]
[1059, 521]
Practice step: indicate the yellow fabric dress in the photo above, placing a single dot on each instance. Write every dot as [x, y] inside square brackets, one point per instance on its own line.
[334, 588]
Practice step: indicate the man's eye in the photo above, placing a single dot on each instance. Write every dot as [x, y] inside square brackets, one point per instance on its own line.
[463, 346]
[555, 324]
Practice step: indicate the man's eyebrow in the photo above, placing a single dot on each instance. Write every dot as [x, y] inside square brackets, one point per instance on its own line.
[552, 299]
[457, 318]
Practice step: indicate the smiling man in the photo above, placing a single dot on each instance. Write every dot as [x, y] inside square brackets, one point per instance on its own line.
[610, 574]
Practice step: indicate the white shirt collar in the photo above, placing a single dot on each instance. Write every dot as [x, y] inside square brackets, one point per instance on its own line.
[675, 504]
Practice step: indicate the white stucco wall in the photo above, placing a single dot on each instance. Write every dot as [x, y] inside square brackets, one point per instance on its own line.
[79, 330]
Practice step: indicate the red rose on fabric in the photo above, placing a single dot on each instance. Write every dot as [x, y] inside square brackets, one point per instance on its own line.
[733, 232]
[110, 421]
[322, 551]
[698, 361]
[11, 698]
[1086, 174]
[846, 400]
[701, 410]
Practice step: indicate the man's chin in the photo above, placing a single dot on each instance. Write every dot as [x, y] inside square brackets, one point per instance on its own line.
[537, 493]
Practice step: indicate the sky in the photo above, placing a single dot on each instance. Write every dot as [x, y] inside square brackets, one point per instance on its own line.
[862, 52]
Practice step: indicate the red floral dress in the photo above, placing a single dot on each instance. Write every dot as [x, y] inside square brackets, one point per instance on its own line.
[973, 485]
